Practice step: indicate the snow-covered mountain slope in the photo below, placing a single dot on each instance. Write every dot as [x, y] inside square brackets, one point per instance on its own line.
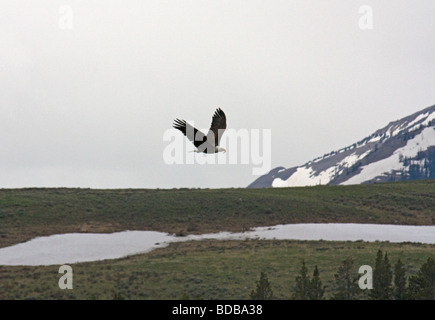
[403, 150]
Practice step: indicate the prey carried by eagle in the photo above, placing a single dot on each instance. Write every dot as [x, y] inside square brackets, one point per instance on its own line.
[205, 143]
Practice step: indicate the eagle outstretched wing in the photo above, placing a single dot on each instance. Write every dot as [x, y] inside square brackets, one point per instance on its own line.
[193, 134]
[217, 128]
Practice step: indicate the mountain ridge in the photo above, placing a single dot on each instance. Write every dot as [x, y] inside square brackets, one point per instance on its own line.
[402, 150]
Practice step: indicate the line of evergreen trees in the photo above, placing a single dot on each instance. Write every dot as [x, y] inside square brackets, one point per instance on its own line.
[388, 283]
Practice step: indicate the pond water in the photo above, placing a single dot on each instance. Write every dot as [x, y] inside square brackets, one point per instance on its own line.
[82, 247]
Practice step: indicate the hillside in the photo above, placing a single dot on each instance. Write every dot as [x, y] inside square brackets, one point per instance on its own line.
[402, 150]
[208, 269]
[27, 213]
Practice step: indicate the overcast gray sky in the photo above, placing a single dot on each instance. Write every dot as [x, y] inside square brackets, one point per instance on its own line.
[90, 87]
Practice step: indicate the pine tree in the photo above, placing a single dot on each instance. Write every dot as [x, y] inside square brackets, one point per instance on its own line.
[302, 284]
[399, 281]
[377, 277]
[316, 291]
[263, 290]
[422, 285]
[382, 278]
[388, 279]
[345, 286]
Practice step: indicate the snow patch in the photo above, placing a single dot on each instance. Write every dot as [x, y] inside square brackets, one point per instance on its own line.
[375, 139]
[305, 176]
[300, 178]
[419, 143]
[423, 123]
[418, 118]
[350, 160]
[398, 130]
[428, 119]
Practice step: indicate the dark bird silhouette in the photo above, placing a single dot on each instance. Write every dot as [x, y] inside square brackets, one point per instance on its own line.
[205, 143]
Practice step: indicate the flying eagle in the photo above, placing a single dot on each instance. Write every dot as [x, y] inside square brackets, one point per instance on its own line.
[205, 143]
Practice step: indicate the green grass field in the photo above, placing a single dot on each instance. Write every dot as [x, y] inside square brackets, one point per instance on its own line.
[26, 213]
[206, 269]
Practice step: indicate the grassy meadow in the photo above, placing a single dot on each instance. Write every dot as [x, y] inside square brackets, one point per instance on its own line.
[206, 269]
[27, 213]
